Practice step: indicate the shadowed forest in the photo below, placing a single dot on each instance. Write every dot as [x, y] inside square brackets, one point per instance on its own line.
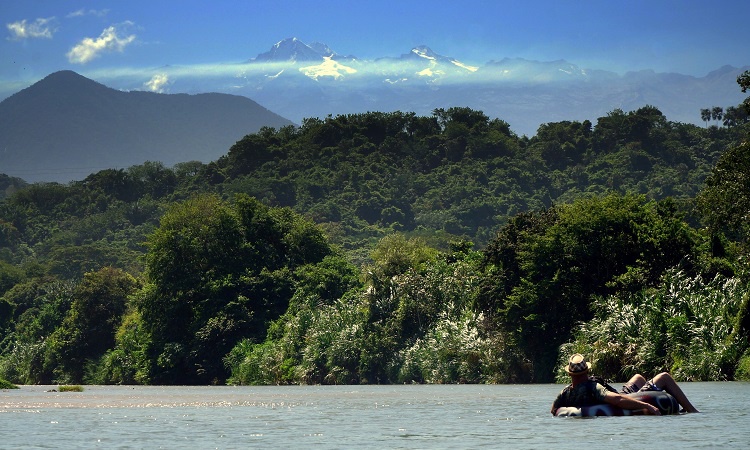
[390, 248]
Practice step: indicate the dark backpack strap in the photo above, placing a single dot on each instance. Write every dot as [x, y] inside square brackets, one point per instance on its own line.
[603, 381]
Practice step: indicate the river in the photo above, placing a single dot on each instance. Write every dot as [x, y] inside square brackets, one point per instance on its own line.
[354, 417]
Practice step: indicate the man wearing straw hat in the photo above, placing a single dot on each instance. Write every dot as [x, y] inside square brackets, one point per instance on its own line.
[586, 392]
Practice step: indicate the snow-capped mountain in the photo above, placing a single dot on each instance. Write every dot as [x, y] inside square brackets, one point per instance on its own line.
[298, 80]
[421, 64]
[292, 50]
[322, 49]
[423, 52]
[318, 62]
[534, 71]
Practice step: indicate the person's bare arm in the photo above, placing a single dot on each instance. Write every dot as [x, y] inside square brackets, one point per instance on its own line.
[626, 402]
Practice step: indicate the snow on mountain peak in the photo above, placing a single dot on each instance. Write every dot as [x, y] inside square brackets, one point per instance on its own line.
[290, 49]
[322, 49]
[328, 68]
[424, 52]
[464, 66]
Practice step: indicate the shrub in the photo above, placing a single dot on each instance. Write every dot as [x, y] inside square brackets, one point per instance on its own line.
[686, 326]
[743, 368]
[70, 388]
[4, 384]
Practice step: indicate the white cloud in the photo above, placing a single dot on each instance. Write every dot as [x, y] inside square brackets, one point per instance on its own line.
[91, 12]
[40, 28]
[111, 39]
[157, 83]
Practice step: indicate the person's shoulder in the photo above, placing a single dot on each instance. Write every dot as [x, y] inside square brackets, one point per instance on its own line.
[600, 390]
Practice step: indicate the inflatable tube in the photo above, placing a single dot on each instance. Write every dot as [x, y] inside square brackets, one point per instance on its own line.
[665, 402]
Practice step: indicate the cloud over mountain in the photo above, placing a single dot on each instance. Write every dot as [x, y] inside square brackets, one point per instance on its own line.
[299, 80]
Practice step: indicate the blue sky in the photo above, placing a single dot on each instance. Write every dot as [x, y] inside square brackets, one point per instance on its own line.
[102, 38]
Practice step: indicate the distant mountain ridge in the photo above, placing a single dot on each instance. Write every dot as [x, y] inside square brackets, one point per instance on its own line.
[66, 126]
[291, 50]
[112, 128]
[298, 80]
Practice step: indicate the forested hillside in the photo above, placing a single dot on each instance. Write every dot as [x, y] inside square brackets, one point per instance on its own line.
[459, 173]
[388, 247]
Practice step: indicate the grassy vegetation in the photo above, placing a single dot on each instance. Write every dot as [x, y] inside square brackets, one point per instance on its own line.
[7, 384]
[743, 369]
[682, 326]
[70, 388]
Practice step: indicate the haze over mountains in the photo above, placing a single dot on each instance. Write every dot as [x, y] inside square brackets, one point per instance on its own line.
[67, 126]
[298, 80]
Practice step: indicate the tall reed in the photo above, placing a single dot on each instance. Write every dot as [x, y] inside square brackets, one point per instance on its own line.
[684, 326]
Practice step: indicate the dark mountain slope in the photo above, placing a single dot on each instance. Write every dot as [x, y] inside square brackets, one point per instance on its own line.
[66, 126]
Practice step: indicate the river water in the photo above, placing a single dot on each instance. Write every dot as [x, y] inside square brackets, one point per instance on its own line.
[354, 417]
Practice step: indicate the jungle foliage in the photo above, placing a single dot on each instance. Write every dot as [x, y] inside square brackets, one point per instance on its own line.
[388, 248]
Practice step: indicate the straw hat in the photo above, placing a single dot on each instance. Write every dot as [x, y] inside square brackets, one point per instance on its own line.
[577, 365]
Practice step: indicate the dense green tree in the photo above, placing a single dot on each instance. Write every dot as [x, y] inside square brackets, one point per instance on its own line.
[219, 273]
[725, 201]
[10, 275]
[152, 178]
[89, 327]
[736, 116]
[128, 362]
[717, 112]
[744, 81]
[230, 268]
[413, 324]
[542, 273]
[115, 182]
[39, 308]
[194, 261]
[685, 325]
[9, 185]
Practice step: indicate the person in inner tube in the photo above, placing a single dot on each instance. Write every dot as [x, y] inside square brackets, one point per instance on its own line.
[586, 392]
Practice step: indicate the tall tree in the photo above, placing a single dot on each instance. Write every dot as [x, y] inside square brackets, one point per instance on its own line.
[725, 200]
[744, 81]
[88, 329]
[717, 112]
[219, 273]
[543, 270]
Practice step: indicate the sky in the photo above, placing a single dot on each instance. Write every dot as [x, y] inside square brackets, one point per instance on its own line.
[103, 39]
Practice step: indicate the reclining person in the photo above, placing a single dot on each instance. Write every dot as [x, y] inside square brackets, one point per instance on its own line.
[587, 392]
